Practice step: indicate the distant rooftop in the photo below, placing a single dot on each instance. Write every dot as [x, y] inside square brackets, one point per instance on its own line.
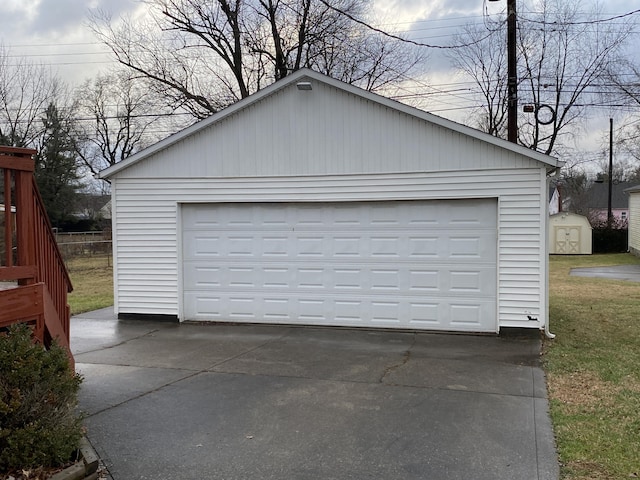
[598, 195]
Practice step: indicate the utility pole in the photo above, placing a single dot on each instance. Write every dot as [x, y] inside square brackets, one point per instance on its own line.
[609, 213]
[512, 73]
[512, 80]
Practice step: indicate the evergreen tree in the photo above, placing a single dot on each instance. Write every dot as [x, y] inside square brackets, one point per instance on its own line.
[57, 172]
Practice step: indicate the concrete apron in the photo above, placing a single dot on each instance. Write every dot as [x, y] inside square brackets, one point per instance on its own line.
[170, 401]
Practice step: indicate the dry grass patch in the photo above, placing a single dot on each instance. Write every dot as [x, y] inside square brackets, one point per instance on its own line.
[583, 390]
[586, 470]
[92, 279]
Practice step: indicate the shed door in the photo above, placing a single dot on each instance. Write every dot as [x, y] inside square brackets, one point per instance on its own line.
[567, 239]
[404, 264]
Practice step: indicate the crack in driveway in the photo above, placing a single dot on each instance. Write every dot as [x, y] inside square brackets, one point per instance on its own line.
[405, 358]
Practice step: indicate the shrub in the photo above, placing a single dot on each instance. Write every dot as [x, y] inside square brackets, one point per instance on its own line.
[610, 239]
[39, 425]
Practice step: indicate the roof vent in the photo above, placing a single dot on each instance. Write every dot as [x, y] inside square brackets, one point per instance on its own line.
[304, 86]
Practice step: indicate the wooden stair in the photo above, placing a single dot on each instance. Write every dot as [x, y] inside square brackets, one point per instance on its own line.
[34, 281]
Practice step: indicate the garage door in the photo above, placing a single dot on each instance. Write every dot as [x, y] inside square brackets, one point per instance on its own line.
[406, 264]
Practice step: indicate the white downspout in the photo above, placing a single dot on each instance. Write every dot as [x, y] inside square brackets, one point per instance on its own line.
[547, 332]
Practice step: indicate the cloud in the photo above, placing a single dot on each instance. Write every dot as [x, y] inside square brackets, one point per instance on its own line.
[57, 17]
[16, 17]
[436, 22]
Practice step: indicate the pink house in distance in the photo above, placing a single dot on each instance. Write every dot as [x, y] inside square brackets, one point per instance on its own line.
[598, 202]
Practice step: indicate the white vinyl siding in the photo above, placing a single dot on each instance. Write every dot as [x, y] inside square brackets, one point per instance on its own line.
[146, 226]
[323, 132]
[634, 222]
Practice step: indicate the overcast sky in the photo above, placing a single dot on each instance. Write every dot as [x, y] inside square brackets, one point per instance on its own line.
[55, 32]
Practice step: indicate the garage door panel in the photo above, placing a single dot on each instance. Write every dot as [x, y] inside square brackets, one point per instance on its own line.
[276, 277]
[306, 278]
[203, 307]
[405, 264]
[242, 278]
[421, 247]
[344, 279]
[388, 246]
[425, 314]
[346, 214]
[275, 246]
[241, 307]
[386, 312]
[198, 244]
[347, 279]
[384, 280]
[350, 246]
[348, 311]
[478, 281]
[465, 282]
[355, 245]
[466, 315]
[198, 276]
[463, 214]
[424, 282]
[471, 247]
[438, 313]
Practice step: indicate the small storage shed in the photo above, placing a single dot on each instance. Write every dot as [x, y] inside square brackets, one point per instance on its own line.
[569, 234]
[315, 202]
[634, 220]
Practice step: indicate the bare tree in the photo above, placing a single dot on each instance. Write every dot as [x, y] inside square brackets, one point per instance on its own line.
[624, 92]
[485, 61]
[116, 118]
[625, 81]
[562, 54]
[26, 90]
[202, 56]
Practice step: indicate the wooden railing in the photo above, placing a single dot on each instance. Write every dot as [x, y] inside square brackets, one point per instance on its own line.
[34, 279]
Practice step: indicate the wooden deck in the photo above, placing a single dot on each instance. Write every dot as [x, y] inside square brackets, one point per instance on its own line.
[34, 281]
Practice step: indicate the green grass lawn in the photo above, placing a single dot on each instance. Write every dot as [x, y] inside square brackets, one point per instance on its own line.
[593, 369]
[92, 279]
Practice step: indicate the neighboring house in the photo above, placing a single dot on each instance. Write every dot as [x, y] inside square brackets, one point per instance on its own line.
[315, 202]
[634, 219]
[105, 210]
[597, 203]
[554, 200]
[91, 206]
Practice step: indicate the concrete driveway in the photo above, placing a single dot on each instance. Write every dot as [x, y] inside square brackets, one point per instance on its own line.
[630, 273]
[169, 401]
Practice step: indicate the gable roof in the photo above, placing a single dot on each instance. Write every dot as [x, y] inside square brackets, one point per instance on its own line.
[598, 195]
[307, 75]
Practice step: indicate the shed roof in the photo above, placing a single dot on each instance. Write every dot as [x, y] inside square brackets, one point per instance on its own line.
[310, 75]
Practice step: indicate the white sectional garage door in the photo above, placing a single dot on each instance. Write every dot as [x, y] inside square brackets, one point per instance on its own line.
[403, 264]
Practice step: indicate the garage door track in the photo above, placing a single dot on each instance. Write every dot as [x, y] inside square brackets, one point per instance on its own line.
[184, 401]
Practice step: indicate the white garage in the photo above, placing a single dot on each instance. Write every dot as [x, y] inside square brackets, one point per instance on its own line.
[332, 206]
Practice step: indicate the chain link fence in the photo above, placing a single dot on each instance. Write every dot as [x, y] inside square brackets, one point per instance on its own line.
[84, 244]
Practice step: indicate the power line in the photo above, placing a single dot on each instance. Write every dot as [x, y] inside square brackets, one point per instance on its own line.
[397, 37]
[586, 22]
